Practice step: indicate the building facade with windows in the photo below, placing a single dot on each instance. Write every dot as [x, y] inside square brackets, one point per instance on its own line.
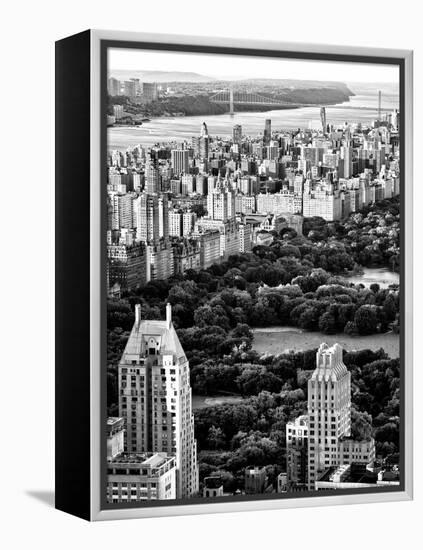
[140, 476]
[329, 410]
[155, 398]
[297, 453]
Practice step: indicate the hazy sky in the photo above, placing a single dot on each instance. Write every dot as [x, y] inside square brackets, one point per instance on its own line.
[236, 67]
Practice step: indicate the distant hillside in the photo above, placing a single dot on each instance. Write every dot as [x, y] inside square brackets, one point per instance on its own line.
[161, 76]
[294, 84]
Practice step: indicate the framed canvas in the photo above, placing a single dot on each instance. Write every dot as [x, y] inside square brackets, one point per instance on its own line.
[233, 275]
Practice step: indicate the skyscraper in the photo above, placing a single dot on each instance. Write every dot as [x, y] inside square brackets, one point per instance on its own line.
[113, 86]
[329, 410]
[200, 143]
[149, 91]
[237, 133]
[129, 88]
[323, 119]
[179, 159]
[155, 397]
[204, 130]
[126, 260]
[347, 156]
[296, 453]
[120, 210]
[152, 177]
[221, 203]
[164, 216]
[267, 136]
[146, 218]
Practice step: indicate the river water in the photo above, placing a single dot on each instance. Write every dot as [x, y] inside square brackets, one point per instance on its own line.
[361, 108]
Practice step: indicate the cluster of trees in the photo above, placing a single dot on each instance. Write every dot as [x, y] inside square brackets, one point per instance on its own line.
[232, 436]
[371, 237]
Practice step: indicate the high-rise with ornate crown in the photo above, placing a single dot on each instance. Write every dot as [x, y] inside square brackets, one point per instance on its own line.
[155, 398]
[329, 410]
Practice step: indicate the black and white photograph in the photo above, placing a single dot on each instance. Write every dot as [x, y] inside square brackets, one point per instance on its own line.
[253, 261]
[210, 310]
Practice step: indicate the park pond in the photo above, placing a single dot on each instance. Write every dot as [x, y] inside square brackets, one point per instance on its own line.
[277, 340]
[281, 339]
[203, 401]
[380, 275]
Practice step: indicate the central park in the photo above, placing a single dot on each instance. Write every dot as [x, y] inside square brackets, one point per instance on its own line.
[251, 324]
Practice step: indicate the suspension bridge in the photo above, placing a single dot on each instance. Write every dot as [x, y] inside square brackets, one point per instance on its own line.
[233, 98]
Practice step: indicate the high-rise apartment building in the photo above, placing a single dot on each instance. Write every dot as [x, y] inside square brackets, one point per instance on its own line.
[237, 134]
[149, 91]
[187, 184]
[267, 136]
[347, 164]
[152, 177]
[180, 161]
[126, 263]
[245, 237]
[188, 221]
[221, 203]
[120, 210]
[200, 144]
[146, 217]
[160, 265]
[163, 216]
[155, 397]
[129, 88]
[329, 410]
[323, 202]
[297, 453]
[118, 112]
[279, 203]
[209, 241]
[175, 223]
[323, 119]
[113, 86]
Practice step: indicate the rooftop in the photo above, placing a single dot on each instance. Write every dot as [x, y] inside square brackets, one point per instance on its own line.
[349, 473]
[153, 460]
[329, 363]
[114, 420]
[163, 331]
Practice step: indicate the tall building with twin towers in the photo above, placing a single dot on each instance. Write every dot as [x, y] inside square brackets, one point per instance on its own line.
[321, 440]
[155, 398]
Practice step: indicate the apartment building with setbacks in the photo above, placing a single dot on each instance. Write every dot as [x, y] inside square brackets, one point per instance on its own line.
[329, 410]
[155, 398]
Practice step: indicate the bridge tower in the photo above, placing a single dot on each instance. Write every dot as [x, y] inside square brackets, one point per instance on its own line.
[231, 100]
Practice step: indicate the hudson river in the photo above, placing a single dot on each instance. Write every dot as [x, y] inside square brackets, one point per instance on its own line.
[361, 108]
